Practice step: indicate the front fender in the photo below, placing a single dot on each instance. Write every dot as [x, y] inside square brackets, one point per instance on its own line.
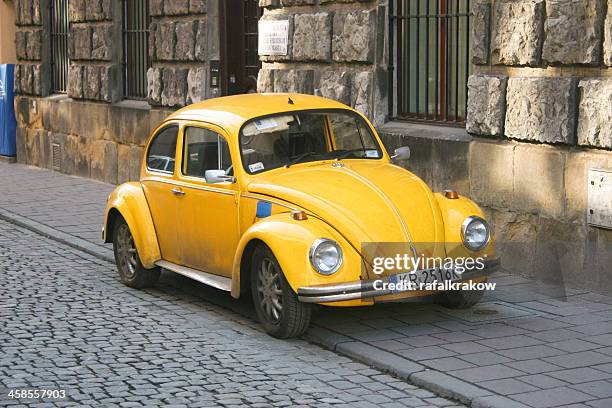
[454, 212]
[290, 241]
[129, 201]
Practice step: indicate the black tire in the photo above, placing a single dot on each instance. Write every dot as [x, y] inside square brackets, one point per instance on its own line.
[459, 299]
[293, 318]
[131, 271]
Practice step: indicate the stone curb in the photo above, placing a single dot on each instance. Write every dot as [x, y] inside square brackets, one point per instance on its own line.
[405, 369]
[49, 232]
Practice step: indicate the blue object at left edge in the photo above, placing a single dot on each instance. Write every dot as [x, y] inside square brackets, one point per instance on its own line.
[8, 123]
[264, 209]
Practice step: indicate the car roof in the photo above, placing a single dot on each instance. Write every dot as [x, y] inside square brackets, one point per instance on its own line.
[233, 111]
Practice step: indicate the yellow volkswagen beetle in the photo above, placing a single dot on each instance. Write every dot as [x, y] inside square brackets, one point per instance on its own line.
[294, 199]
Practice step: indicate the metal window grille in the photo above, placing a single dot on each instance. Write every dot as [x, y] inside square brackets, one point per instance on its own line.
[252, 13]
[135, 52]
[429, 42]
[59, 45]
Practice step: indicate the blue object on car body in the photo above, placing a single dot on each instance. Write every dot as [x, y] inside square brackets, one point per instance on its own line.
[8, 124]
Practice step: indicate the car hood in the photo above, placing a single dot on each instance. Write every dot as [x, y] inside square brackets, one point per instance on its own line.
[365, 200]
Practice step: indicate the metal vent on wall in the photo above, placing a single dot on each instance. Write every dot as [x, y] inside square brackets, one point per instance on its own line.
[56, 156]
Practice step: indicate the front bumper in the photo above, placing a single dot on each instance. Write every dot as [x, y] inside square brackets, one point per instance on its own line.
[365, 289]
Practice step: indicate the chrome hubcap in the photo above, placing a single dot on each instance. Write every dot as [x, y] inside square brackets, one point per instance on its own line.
[269, 290]
[126, 251]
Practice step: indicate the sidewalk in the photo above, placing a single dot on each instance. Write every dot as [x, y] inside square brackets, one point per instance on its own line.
[527, 345]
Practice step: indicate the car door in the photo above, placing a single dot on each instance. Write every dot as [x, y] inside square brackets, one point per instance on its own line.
[159, 184]
[208, 209]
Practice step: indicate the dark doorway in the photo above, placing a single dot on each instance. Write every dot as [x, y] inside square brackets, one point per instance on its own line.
[239, 60]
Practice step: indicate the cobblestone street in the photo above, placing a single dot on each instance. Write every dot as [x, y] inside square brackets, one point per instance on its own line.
[69, 324]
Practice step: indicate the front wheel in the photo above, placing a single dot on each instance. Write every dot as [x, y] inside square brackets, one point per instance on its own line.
[459, 299]
[276, 304]
[131, 271]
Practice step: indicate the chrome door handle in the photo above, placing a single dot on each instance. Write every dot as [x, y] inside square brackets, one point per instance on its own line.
[178, 191]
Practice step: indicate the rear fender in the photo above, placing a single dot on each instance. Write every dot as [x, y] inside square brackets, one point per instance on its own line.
[129, 201]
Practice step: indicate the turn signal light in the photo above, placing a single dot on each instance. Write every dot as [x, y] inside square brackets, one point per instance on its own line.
[299, 215]
[451, 194]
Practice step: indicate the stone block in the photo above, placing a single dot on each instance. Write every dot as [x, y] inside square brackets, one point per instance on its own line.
[335, 84]
[33, 139]
[354, 36]
[156, 8]
[312, 37]
[36, 19]
[165, 41]
[269, 3]
[21, 44]
[486, 104]
[361, 93]
[265, 80]
[36, 79]
[45, 150]
[154, 86]
[197, 6]
[80, 44]
[123, 163]
[34, 44]
[26, 79]
[289, 3]
[516, 37]
[174, 86]
[201, 43]
[17, 79]
[594, 113]
[607, 34]
[76, 10]
[294, 80]
[544, 167]
[23, 9]
[573, 31]
[20, 145]
[105, 83]
[75, 81]
[196, 85]
[176, 7]
[185, 41]
[450, 166]
[104, 161]
[101, 42]
[136, 156]
[541, 109]
[491, 169]
[480, 32]
[91, 82]
[98, 10]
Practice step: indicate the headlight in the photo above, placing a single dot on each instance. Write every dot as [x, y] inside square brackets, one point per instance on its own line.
[325, 256]
[475, 233]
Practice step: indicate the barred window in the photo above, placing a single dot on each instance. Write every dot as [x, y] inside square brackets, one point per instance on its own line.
[431, 50]
[135, 54]
[59, 45]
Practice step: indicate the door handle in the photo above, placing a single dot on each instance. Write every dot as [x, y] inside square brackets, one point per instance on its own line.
[178, 191]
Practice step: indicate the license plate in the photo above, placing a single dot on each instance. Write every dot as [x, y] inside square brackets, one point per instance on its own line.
[414, 279]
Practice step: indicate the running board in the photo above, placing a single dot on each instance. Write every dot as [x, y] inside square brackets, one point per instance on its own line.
[209, 279]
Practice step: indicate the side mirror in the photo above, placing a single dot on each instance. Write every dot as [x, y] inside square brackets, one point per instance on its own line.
[401, 153]
[218, 176]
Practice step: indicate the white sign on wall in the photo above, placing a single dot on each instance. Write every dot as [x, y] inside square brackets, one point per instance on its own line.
[273, 37]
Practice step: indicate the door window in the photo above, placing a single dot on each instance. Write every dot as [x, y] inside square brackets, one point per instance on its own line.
[206, 155]
[162, 150]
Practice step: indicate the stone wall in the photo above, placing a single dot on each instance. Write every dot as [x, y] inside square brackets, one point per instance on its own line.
[335, 50]
[31, 73]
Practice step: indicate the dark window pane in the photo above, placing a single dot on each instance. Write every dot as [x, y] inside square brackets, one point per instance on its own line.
[162, 150]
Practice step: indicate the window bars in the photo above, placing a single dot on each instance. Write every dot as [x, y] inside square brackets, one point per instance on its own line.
[429, 41]
[59, 45]
[135, 48]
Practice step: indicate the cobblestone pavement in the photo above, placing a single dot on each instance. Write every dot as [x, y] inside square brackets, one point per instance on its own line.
[526, 344]
[68, 323]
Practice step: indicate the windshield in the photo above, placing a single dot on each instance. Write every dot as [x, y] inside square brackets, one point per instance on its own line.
[297, 137]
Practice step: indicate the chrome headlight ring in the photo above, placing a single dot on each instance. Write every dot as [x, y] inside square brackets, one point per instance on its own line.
[325, 256]
[472, 227]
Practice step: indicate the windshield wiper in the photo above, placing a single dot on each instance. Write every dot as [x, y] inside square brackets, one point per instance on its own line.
[348, 153]
[300, 158]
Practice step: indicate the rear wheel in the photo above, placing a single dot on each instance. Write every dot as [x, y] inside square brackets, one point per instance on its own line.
[131, 271]
[276, 304]
[459, 299]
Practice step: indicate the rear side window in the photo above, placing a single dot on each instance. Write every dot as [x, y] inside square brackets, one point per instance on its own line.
[162, 150]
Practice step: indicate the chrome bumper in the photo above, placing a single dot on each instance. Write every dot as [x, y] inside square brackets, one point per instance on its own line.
[364, 289]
